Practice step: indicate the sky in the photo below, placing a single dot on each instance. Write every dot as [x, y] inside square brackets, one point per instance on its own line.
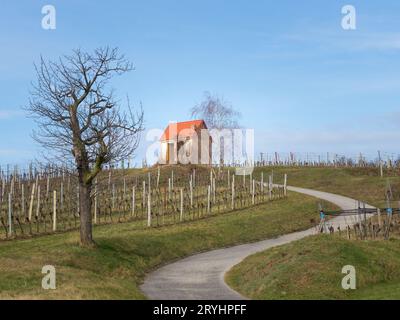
[302, 82]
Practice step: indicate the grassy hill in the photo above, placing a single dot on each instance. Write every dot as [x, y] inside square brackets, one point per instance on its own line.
[363, 184]
[311, 269]
[127, 251]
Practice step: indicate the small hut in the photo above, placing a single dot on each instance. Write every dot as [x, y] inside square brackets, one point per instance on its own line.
[187, 142]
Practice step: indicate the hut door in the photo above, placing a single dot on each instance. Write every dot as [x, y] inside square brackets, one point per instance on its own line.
[170, 152]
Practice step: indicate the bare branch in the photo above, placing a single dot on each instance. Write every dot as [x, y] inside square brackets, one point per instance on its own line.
[216, 112]
[77, 114]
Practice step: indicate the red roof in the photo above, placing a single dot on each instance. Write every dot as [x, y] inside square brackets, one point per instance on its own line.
[173, 129]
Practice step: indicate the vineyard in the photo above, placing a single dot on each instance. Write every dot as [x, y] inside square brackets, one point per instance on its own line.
[366, 223]
[47, 201]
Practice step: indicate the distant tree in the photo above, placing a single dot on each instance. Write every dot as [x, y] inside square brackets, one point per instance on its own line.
[218, 114]
[79, 119]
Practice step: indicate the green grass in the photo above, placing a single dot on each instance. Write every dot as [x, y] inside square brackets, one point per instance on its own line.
[311, 269]
[127, 251]
[363, 184]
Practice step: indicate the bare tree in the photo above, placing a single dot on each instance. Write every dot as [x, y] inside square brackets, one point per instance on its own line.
[216, 112]
[78, 118]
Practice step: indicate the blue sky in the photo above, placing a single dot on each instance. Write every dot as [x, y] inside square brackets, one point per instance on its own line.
[300, 81]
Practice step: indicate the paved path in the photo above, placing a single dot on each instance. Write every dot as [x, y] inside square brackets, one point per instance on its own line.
[201, 276]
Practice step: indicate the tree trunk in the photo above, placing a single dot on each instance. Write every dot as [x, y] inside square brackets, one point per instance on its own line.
[85, 204]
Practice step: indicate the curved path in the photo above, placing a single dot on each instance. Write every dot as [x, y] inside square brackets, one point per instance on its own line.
[201, 276]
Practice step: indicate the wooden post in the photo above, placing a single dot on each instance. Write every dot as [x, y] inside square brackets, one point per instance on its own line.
[262, 182]
[31, 203]
[158, 177]
[12, 186]
[37, 181]
[133, 200]
[54, 210]
[149, 210]
[253, 192]
[10, 214]
[38, 202]
[48, 187]
[285, 185]
[144, 194]
[181, 208]
[270, 187]
[213, 188]
[208, 198]
[233, 192]
[169, 188]
[23, 200]
[191, 192]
